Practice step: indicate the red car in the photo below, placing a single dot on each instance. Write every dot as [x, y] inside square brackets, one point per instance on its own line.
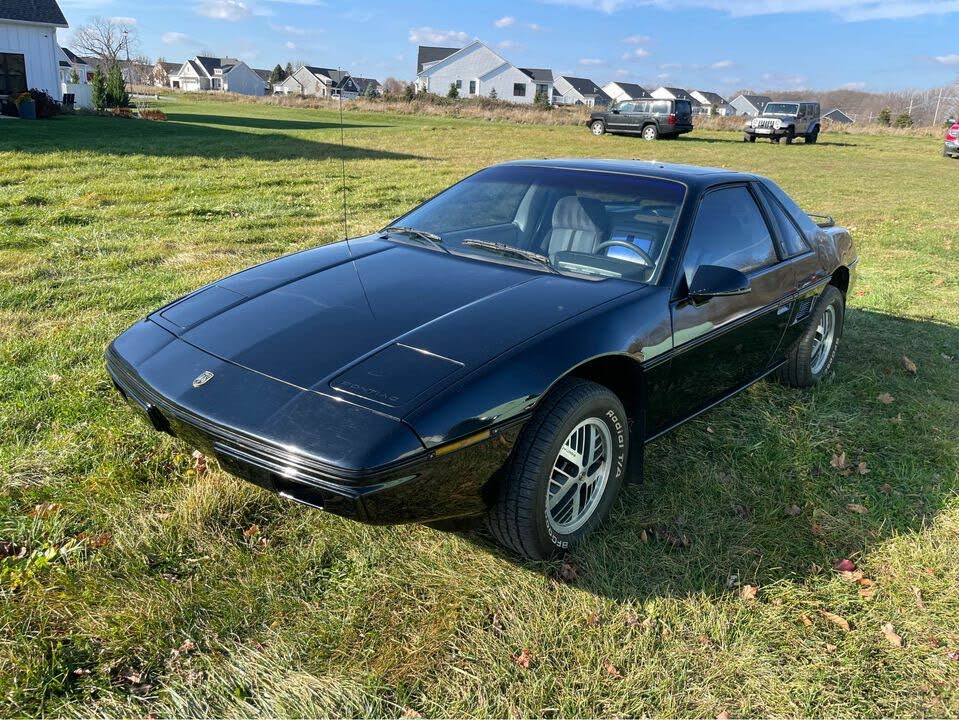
[951, 147]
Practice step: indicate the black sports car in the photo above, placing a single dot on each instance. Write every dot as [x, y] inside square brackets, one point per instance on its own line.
[505, 349]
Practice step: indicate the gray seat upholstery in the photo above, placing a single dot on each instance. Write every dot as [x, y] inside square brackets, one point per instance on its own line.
[579, 224]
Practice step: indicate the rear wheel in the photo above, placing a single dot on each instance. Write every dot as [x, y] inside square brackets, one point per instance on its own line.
[812, 356]
[812, 137]
[650, 132]
[566, 471]
[597, 127]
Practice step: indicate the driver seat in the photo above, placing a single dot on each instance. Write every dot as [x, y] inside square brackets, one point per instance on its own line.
[579, 225]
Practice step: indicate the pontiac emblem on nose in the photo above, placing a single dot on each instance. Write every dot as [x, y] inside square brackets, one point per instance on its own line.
[202, 379]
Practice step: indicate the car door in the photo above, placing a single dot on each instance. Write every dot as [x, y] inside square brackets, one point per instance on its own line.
[618, 117]
[727, 341]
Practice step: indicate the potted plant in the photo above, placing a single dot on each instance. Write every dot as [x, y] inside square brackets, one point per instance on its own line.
[26, 106]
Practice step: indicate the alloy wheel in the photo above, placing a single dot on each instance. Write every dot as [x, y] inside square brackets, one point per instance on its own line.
[823, 340]
[598, 128]
[579, 476]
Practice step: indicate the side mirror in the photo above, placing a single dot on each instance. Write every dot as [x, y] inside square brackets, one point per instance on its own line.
[615, 111]
[714, 281]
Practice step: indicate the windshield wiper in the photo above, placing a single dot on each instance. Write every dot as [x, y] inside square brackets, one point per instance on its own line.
[431, 238]
[504, 249]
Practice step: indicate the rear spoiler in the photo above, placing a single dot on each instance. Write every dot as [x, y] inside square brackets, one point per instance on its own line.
[823, 221]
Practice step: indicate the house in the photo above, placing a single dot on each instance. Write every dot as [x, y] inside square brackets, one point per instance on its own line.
[312, 81]
[363, 85]
[70, 62]
[204, 73]
[29, 54]
[477, 71]
[751, 105]
[266, 76]
[672, 93]
[711, 103]
[837, 115]
[543, 80]
[162, 71]
[571, 90]
[619, 91]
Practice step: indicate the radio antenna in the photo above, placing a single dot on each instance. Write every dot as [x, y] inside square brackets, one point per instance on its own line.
[346, 228]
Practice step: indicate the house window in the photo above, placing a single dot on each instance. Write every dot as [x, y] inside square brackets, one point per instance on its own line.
[472, 87]
[542, 89]
[519, 89]
[459, 84]
[13, 74]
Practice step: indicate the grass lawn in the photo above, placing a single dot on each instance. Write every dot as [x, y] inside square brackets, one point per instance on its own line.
[150, 583]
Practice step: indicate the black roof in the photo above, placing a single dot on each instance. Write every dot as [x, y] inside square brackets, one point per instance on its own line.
[757, 101]
[45, 12]
[584, 86]
[714, 98]
[265, 75]
[540, 75]
[362, 83]
[688, 174]
[678, 93]
[428, 54]
[636, 92]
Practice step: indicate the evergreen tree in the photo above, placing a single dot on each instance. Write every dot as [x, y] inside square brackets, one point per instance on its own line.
[74, 77]
[493, 94]
[278, 74]
[903, 120]
[370, 92]
[409, 92]
[117, 95]
[289, 69]
[453, 91]
[541, 100]
[885, 117]
[99, 89]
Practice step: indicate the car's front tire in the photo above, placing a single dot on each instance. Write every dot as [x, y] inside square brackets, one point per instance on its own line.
[565, 472]
[811, 358]
[597, 127]
[650, 132]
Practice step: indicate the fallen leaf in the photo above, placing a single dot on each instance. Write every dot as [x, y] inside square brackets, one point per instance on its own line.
[804, 618]
[831, 648]
[200, 465]
[592, 620]
[724, 715]
[861, 468]
[251, 531]
[885, 398]
[857, 508]
[132, 676]
[918, 594]
[891, 635]
[896, 420]
[710, 430]
[909, 365]
[568, 571]
[54, 378]
[44, 510]
[186, 647]
[866, 582]
[839, 461]
[410, 714]
[611, 669]
[866, 593]
[792, 510]
[837, 620]
[885, 488]
[705, 640]
[816, 529]
[845, 565]
[81, 672]
[643, 537]
[748, 592]
[523, 658]
[9, 549]
[95, 542]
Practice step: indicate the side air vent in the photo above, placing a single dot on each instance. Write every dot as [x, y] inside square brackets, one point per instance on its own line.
[804, 308]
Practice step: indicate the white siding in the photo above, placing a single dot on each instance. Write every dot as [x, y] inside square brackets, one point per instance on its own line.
[241, 79]
[478, 63]
[503, 79]
[38, 45]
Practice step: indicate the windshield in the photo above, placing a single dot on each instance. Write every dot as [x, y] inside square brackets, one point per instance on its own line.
[576, 222]
[782, 109]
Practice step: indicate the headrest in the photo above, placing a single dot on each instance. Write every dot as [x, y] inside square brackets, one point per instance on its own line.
[576, 213]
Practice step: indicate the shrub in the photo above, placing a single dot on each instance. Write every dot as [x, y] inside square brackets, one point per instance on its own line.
[409, 92]
[152, 114]
[453, 92]
[541, 101]
[493, 95]
[884, 117]
[47, 107]
[117, 95]
[903, 120]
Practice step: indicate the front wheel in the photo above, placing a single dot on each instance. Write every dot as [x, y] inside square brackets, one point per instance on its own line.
[598, 127]
[650, 132]
[812, 356]
[566, 470]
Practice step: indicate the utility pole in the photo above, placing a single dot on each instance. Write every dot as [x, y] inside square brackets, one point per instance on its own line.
[935, 119]
[126, 44]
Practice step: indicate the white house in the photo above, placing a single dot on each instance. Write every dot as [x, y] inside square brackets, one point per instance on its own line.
[569, 90]
[619, 91]
[314, 81]
[29, 54]
[70, 62]
[204, 73]
[751, 105]
[477, 71]
[671, 93]
[711, 103]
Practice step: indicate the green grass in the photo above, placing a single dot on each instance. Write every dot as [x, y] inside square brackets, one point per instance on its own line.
[102, 220]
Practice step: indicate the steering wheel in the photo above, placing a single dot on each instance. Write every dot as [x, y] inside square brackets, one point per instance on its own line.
[643, 255]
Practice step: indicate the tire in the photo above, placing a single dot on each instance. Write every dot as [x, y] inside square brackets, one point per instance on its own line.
[597, 127]
[803, 367]
[774, 140]
[812, 137]
[650, 132]
[749, 138]
[790, 136]
[521, 518]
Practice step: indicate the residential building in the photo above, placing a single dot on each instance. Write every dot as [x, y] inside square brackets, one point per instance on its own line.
[751, 105]
[363, 85]
[837, 115]
[265, 76]
[711, 103]
[204, 73]
[162, 71]
[543, 80]
[569, 90]
[70, 62]
[619, 91]
[477, 71]
[29, 54]
[311, 81]
[671, 93]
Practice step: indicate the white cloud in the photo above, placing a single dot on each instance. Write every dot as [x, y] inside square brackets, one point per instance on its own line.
[505, 21]
[430, 35]
[722, 64]
[591, 61]
[231, 10]
[636, 54]
[509, 45]
[124, 20]
[291, 29]
[290, 45]
[848, 10]
[947, 59]
[174, 38]
[637, 39]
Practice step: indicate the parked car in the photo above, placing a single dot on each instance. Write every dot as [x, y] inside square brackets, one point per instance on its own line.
[951, 146]
[785, 121]
[505, 350]
[650, 119]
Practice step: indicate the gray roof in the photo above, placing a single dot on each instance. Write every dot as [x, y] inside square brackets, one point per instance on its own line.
[540, 75]
[169, 67]
[209, 64]
[427, 55]
[634, 91]
[678, 93]
[757, 101]
[362, 83]
[584, 86]
[73, 57]
[44, 12]
[839, 116]
[265, 75]
[714, 98]
[337, 76]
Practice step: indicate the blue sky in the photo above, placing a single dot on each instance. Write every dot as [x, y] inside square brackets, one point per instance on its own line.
[708, 44]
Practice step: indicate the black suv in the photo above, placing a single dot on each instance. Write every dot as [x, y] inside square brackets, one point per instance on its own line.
[652, 119]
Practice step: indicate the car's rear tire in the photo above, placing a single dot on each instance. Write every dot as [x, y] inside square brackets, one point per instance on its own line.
[650, 132]
[811, 358]
[549, 500]
[597, 127]
[812, 137]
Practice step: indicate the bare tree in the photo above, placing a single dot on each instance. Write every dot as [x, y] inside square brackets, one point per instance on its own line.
[392, 86]
[106, 39]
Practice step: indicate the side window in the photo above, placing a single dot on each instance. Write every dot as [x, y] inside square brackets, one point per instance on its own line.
[792, 239]
[626, 107]
[730, 231]
[661, 107]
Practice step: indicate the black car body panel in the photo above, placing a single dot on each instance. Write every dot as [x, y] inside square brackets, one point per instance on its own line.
[671, 117]
[387, 382]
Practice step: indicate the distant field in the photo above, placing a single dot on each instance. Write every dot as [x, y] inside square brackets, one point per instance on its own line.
[152, 584]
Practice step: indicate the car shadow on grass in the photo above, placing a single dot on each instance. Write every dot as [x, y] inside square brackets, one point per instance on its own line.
[768, 487]
[117, 136]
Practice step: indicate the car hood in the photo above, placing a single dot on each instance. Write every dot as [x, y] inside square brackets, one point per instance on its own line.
[377, 320]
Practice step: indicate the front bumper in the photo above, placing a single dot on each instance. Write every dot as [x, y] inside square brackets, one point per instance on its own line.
[767, 132]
